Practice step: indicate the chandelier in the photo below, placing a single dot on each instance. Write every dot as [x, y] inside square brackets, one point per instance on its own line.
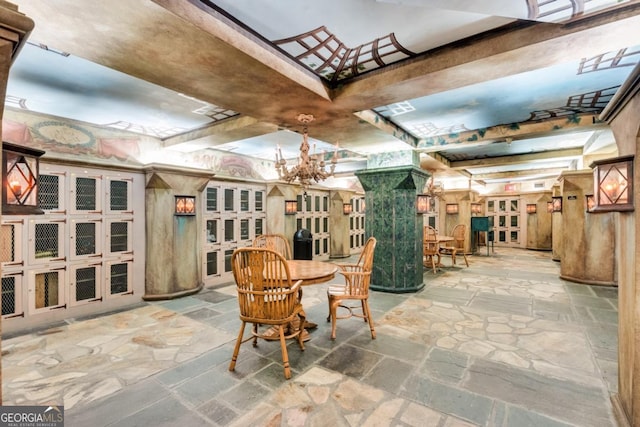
[432, 190]
[309, 167]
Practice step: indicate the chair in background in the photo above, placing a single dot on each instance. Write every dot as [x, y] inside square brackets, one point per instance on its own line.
[431, 248]
[455, 247]
[357, 278]
[266, 296]
[275, 242]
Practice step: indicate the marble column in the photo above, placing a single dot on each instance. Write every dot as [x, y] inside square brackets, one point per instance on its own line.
[390, 196]
[174, 249]
[15, 28]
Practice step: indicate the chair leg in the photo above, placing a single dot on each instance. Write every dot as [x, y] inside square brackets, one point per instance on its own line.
[333, 303]
[255, 334]
[329, 304]
[367, 312]
[433, 264]
[465, 259]
[303, 317]
[232, 365]
[285, 355]
[453, 258]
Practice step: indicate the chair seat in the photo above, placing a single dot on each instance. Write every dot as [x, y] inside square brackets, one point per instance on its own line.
[337, 290]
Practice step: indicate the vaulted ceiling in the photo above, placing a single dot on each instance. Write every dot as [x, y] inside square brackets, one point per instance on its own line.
[491, 91]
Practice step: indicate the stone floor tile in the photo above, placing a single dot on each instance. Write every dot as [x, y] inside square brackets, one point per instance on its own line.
[579, 289]
[217, 412]
[117, 406]
[351, 361]
[389, 374]
[168, 412]
[591, 302]
[444, 365]
[472, 407]
[559, 399]
[502, 304]
[205, 386]
[604, 315]
[520, 417]
[451, 295]
[244, 395]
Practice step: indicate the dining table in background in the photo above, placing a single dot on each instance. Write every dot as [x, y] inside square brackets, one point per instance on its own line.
[441, 238]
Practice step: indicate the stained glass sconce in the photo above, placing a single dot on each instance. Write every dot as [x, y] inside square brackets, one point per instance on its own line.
[613, 184]
[20, 175]
[290, 207]
[185, 205]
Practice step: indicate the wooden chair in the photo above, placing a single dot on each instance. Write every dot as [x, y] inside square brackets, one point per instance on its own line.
[266, 296]
[431, 248]
[275, 242]
[457, 245]
[357, 278]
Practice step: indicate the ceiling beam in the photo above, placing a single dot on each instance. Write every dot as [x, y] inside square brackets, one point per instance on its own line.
[516, 159]
[518, 174]
[221, 132]
[387, 126]
[579, 122]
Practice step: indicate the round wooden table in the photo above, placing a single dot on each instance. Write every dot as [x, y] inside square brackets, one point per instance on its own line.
[311, 272]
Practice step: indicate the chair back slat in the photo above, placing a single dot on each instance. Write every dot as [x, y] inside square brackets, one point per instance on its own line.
[264, 285]
[275, 242]
[358, 277]
[430, 245]
[459, 235]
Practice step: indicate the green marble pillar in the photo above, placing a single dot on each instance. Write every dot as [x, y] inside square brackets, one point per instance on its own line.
[390, 197]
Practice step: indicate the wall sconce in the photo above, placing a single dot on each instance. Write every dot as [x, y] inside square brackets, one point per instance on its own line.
[290, 207]
[557, 203]
[532, 208]
[20, 174]
[476, 208]
[452, 208]
[549, 207]
[185, 205]
[422, 203]
[613, 184]
[347, 208]
[590, 201]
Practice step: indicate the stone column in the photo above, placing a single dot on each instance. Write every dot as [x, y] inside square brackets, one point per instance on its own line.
[340, 228]
[463, 199]
[277, 221]
[539, 223]
[556, 229]
[174, 249]
[588, 248]
[15, 28]
[623, 114]
[391, 217]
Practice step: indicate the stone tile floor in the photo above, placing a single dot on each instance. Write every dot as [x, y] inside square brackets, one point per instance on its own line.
[504, 342]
